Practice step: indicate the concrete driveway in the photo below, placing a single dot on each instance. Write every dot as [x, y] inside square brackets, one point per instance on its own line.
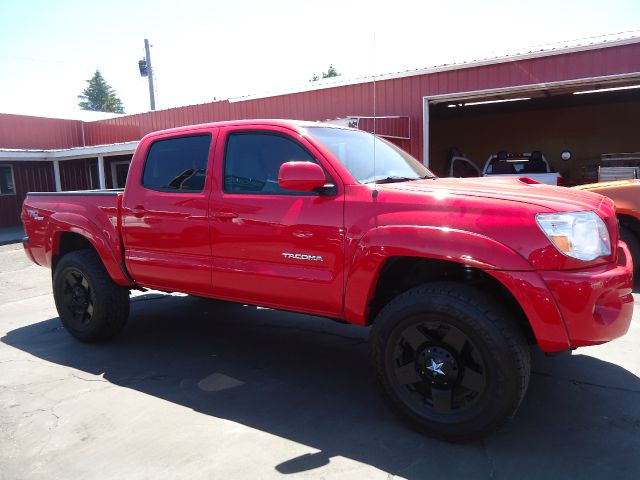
[205, 389]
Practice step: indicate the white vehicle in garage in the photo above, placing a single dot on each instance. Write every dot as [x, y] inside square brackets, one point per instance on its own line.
[532, 165]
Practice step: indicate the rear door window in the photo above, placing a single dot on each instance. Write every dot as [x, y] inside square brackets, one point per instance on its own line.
[177, 164]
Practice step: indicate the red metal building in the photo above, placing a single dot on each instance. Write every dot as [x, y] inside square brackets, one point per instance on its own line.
[580, 97]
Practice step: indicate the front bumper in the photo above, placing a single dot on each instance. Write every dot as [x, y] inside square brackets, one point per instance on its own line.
[596, 304]
[574, 308]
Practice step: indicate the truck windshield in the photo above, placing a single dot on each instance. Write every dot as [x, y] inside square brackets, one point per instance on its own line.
[355, 150]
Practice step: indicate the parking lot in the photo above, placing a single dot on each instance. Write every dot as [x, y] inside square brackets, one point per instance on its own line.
[204, 389]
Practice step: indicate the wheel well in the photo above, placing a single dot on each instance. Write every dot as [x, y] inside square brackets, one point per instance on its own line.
[400, 274]
[631, 223]
[69, 242]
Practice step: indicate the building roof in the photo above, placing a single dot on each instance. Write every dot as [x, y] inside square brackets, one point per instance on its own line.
[535, 51]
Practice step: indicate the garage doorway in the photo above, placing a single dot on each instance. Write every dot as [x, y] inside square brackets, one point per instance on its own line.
[588, 118]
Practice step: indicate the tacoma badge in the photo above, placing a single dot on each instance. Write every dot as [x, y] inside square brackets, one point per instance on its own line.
[303, 256]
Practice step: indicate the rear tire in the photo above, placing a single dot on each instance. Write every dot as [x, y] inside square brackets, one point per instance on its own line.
[450, 361]
[632, 241]
[91, 306]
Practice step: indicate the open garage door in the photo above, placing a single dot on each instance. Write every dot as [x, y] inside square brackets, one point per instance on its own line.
[591, 119]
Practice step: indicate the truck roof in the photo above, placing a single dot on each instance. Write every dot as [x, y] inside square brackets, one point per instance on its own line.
[259, 121]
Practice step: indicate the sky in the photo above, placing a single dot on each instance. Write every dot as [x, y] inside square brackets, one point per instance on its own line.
[203, 50]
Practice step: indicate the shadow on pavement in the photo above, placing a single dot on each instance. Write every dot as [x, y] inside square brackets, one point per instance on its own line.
[307, 379]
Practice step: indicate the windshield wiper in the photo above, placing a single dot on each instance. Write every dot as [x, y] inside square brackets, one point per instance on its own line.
[394, 178]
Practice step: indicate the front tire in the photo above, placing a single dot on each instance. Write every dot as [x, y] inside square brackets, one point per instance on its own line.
[91, 306]
[633, 243]
[449, 360]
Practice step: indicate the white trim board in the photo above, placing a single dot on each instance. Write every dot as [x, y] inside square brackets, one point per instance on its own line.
[114, 172]
[69, 153]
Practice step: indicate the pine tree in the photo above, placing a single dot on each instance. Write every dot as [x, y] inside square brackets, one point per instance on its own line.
[332, 72]
[99, 96]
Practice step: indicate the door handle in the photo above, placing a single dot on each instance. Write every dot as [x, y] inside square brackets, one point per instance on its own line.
[225, 214]
[138, 211]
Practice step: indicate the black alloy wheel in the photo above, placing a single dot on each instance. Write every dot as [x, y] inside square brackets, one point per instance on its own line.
[632, 240]
[450, 360]
[91, 306]
[437, 367]
[77, 297]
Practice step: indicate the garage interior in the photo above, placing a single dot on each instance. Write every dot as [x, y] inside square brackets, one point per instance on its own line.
[588, 120]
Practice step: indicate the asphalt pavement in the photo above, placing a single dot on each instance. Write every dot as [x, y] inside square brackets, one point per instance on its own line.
[197, 388]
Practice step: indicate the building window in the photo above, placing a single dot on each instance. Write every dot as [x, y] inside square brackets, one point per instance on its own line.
[7, 184]
[119, 171]
[94, 175]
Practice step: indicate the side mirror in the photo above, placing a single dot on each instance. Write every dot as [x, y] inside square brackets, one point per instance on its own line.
[301, 176]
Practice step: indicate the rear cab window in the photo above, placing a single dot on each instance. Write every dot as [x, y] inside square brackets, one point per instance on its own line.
[517, 163]
[177, 164]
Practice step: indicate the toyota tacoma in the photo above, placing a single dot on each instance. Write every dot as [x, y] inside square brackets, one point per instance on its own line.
[458, 278]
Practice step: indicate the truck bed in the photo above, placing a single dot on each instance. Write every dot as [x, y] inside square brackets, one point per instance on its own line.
[93, 214]
[80, 193]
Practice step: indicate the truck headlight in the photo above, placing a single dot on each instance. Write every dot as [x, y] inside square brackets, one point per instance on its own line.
[581, 235]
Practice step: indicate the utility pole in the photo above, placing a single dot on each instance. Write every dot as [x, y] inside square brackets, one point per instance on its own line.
[152, 94]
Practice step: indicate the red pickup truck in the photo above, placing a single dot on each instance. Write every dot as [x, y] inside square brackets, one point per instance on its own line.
[458, 277]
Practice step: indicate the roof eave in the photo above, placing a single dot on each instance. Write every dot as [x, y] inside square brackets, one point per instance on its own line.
[68, 154]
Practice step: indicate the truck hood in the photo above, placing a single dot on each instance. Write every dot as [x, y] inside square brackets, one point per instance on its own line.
[520, 189]
[502, 209]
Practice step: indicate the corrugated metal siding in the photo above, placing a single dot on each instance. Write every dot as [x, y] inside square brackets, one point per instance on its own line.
[400, 96]
[29, 177]
[22, 131]
[395, 127]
